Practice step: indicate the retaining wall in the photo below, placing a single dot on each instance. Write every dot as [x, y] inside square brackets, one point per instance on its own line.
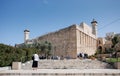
[62, 72]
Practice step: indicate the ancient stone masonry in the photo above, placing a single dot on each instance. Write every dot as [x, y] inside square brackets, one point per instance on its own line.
[70, 41]
[105, 43]
[63, 41]
[86, 41]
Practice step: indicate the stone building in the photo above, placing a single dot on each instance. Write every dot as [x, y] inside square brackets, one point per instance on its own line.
[72, 40]
[100, 44]
[105, 43]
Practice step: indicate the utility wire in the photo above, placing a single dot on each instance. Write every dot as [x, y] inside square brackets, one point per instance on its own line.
[109, 24]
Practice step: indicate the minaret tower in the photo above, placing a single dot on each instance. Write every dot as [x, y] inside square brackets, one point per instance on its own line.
[26, 35]
[94, 27]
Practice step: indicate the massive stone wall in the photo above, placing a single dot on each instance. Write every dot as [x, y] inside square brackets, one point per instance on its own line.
[86, 41]
[63, 42]
[71, 41]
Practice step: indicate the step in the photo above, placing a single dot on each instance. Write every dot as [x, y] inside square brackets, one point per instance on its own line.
[61, 72]
[68, 64]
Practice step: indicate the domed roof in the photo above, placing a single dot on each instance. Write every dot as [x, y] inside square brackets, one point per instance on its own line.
[94, 21]
[26, 30]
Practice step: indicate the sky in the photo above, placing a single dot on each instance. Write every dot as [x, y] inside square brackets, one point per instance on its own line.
[44, 16]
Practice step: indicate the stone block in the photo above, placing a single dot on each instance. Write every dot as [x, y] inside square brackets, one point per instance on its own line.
[117, 65]
[103, 55]
[16, 65]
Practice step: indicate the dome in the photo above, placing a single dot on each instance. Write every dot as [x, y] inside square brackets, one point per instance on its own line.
[26, 30]
[94, 21]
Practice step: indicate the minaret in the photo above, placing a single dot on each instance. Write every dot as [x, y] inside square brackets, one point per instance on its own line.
[26, 35]
[94, 27]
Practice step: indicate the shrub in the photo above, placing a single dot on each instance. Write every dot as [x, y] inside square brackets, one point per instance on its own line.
[8, 54]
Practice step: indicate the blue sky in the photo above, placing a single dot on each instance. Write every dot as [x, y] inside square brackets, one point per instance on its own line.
[43, 16]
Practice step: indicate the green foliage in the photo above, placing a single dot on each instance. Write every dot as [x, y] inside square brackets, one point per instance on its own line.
[108, 51]
[28, 54]
[109, 60]
[41, 48]
[46, 48]
[115, 40]
[5, 57]
[8, 54]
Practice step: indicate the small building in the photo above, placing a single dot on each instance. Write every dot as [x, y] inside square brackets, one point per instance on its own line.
[104, 44]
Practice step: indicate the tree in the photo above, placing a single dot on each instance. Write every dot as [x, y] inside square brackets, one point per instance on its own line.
[117, 46]
[46, 48]
[40, 47]
[9, 54]
[115, 40]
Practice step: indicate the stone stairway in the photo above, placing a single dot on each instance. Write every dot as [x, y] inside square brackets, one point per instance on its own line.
[62, 72]
[73, 67]
[68, 64]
